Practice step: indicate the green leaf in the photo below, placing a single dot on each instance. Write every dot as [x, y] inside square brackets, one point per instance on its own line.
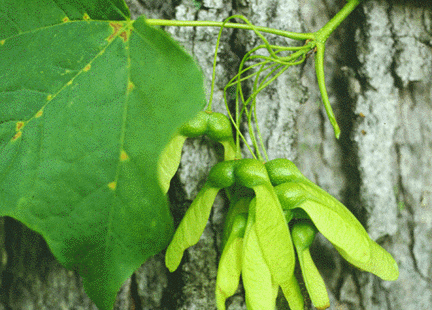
[88, 100]
[191, 227]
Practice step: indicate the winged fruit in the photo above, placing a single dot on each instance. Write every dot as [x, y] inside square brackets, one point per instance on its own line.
[333, 220]
[215, 125]
[303, 234]
[257, 242]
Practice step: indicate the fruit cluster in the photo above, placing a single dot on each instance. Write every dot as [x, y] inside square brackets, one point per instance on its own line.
[274, 209]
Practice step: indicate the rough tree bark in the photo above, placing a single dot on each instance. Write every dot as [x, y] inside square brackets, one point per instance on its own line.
[378, 72]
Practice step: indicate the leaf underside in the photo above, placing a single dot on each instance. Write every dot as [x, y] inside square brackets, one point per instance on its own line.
[88, 99]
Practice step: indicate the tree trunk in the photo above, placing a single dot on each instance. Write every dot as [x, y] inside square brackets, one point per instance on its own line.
[378, 73]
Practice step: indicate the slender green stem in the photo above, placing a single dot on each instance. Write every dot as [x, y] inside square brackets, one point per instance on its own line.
[316, 39]
[319, 68]
[180, 23]
[252, 113]
[233, 82]
[209, 108]
[254, 28]
[276, 76]
[260, 138]
[238, 132]
[322, 34]
[320, 38]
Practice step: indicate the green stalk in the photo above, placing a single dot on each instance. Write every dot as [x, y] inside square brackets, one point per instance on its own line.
[321, 37]
[186, 23]
[322, 34]
[319, 68]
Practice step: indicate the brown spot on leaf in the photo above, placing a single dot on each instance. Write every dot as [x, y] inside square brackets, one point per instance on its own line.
[66, 19]
[363, 132]
[87, 68]
[19, 125]
[39, 113]
[361, 114]
[49, 97]
[125, 35]
[2, 42]
[17, 135]
[130, 86]
[116, 27]
[86, 16]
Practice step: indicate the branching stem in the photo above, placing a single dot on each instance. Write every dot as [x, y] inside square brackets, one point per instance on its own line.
[278, 64]
[197, 23]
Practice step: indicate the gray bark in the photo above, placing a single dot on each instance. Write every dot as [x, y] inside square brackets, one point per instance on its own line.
[378, 73]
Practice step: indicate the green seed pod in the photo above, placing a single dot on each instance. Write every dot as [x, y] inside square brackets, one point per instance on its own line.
[282, 170]
[250, 173]
[219, 127]
[303, 234]
[339, 226]
[219, 130]
[290, 195]
[239, 225]
[239, 203]
[196, 126]
[288, 215]
[222, 174]
[216, 126]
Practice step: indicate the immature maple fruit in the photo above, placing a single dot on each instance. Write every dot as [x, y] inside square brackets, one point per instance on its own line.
[258, 244]
[303, 234]
[215, 125]
[340, 227]
[331, 218]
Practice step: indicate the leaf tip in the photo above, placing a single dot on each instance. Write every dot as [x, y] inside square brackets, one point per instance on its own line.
[125, 35]
[172, 261]
[17, 136]
[220, 298]
[337, 131]
[116, 26]
[19, 125]
[326, 306]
